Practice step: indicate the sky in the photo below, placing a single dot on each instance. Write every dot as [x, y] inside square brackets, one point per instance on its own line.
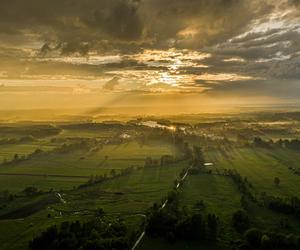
[149, 53]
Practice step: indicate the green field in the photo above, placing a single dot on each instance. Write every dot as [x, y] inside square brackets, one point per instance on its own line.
[66, 174]
[127, 196]
[219, 194]
[8, 151]
[222, 197]
[81, 163]
[261, 166]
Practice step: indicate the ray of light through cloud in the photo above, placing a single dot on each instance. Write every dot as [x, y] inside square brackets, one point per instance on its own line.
[201, 47]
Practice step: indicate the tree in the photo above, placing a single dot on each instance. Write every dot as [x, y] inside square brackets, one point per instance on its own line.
[199, 205]
[266, 242]
[240, 221]
[30, 191]
[212, 226]
[187, 152]
[113, 173]
[295, 201]
[161, 223]
[258, 142]
[191, 228]
[99, 212]
[253, 237]
[198, 158]
[244, 202]
[91, 235]
[276, 181]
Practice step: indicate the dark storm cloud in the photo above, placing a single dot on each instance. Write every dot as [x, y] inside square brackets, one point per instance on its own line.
[231, 31]
[295, 2]
[121, 21]
[194, 23]
[119, 24]
[72, 25]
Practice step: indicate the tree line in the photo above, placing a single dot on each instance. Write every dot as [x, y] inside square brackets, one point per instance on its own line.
[101, 234]
[173, 223]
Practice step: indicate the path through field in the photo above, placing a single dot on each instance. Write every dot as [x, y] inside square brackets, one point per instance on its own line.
[162, 207]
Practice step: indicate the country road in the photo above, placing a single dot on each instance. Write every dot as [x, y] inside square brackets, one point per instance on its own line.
[61, 198]
[162, 207]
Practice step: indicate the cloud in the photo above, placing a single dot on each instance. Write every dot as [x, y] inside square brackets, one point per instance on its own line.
[78, 26]
[168, 45]
[267, 88]
[294, 2]
[111, 84]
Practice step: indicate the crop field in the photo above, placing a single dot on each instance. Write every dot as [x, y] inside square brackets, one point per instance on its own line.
[57, 171]
[217, 192]
[219, 195]
[86, 133]
[127, 195]
[67, 172]
[7, 152]
[15, 234]
[261, 166]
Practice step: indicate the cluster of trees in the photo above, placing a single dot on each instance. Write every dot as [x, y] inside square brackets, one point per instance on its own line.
[173, 223]
[255, 239]
[258, 142]
[96, 126]
[243, 185]
[198, 157]
[30, 191]
[36, 131]
[96, 179]
[164, 160]
[185, 150]
[19, 158]
[183, 147]
[290, 144]
[289, 206]
[175, 138]
[240, 221]
[67, 148]
[101, 233]
[23, 139]
[150, 162]
[156, 134]
[6, 196]
[16, 158]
